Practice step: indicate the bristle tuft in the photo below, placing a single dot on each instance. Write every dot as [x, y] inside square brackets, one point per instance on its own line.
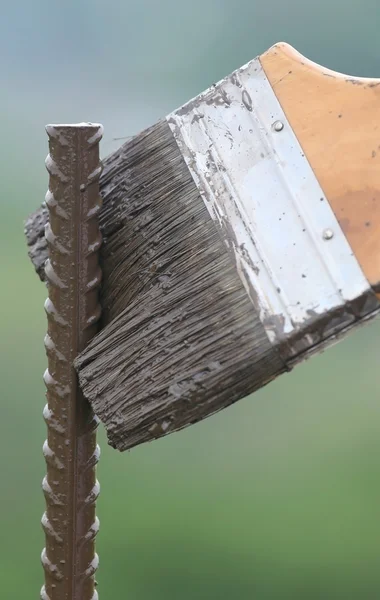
[181, 340]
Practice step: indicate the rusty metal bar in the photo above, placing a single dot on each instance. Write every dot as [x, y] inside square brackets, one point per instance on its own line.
[73, 310]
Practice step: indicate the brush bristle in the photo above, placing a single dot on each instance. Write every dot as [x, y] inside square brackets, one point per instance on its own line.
[181, 340]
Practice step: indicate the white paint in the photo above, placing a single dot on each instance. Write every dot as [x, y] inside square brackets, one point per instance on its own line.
[78, 125]
[257, 183]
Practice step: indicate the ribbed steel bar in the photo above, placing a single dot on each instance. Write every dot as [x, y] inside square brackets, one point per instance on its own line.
[73, 310]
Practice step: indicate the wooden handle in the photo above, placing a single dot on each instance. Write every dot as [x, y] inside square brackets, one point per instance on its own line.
[336, 119]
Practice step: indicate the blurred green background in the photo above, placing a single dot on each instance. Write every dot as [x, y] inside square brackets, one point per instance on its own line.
[277, 497]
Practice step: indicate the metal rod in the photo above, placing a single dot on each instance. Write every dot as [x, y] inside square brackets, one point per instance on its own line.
[73, 310]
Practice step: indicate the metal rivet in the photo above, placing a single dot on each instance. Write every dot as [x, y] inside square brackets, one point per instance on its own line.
[328, 234]
[278, 126]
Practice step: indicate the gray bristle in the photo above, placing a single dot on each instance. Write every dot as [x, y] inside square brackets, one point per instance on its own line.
[180, 338]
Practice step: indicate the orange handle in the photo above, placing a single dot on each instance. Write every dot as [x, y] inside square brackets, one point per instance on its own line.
[336, 119]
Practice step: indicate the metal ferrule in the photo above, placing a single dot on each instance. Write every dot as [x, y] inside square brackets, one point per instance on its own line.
[291, 254]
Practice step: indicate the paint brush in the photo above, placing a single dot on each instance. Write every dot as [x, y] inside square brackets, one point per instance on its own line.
[241, 236]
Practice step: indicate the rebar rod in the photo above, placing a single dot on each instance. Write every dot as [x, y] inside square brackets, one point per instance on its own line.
[73, 311]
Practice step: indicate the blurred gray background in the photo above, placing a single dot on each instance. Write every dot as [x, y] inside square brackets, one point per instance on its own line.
[275, 498]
